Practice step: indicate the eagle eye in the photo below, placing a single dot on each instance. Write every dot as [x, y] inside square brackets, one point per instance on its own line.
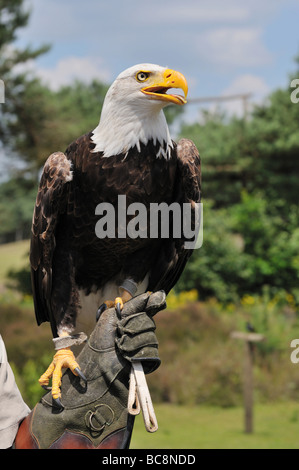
[142, 76]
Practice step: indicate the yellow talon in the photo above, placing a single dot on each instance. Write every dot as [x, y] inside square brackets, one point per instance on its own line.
[64, 358]
[119, 301]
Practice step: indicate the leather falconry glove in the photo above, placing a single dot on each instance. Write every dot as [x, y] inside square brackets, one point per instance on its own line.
[95, 413]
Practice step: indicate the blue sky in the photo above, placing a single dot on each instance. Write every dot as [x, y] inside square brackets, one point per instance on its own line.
[221, 46]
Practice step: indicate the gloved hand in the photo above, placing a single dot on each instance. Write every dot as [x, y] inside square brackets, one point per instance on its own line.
[136, 339]
[95, 413]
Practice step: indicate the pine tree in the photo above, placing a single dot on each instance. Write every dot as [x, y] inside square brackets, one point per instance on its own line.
[13, 16]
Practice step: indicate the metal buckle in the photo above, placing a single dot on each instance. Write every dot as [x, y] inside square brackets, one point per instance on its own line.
[99, 418]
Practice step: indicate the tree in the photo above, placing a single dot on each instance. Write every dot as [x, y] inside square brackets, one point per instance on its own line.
[12, 17]
[34, 121]
[17, 198]
[50, 120]
[220, 142]
[260, 154]
[250, 195]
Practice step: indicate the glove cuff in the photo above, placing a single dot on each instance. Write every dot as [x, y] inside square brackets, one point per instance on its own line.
[68, 341]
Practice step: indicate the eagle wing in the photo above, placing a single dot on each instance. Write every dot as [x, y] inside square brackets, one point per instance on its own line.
[173, 255]
[51, 202]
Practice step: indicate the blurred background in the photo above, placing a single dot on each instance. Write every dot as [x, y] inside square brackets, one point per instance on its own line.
[57, 59]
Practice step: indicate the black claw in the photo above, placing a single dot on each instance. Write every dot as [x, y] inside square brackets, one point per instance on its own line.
[81, 375]
[58, 403]
[101, 309]
[45, 387]
[118, 310]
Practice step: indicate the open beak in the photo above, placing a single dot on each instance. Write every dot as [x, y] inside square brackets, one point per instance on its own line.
[170, 79]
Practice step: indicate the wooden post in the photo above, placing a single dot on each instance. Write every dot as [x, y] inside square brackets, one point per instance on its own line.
[218, 99]
[248, 387]
[249, 339]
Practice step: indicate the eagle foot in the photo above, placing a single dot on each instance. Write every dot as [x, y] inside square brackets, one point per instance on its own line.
[118, 303]
[64, 358]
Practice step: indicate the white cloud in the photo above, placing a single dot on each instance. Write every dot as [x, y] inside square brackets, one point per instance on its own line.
[240, 47]
[214, 41]
[194, 12]
[248, 83]
[227, 12]
[66, 70]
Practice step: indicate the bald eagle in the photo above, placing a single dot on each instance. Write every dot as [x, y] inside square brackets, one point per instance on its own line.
[129, 153]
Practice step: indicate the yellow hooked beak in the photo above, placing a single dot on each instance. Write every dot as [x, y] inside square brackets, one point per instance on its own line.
[157, 87]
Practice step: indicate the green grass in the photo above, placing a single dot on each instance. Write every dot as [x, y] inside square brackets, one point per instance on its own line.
[275, 427]
[13, 256]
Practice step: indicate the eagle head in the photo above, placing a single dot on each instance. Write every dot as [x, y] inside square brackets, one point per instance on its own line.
[149, 82]
[132, 110]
